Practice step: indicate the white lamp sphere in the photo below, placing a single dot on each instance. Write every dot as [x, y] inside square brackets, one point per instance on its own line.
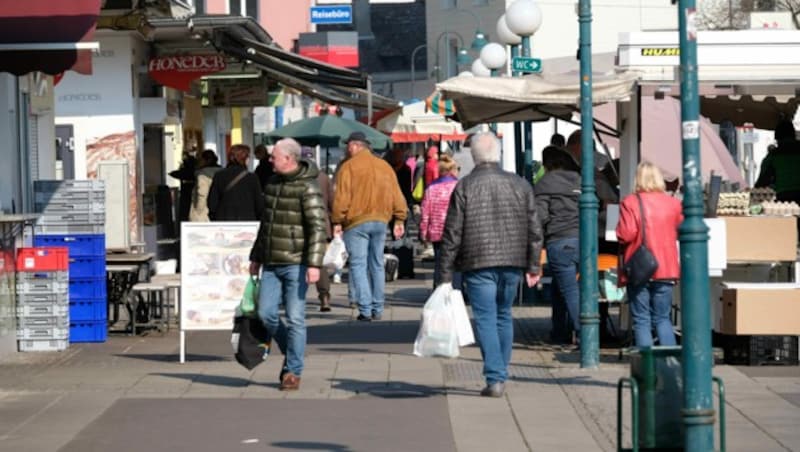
[479, 69]
[505, 35]
[524, 17]
[493, 55]
[466, 74]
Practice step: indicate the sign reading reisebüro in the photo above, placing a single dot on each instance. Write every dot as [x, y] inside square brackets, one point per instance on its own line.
[340, 14]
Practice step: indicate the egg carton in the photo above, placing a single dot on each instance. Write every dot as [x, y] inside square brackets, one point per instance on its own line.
[732, 212]
[779, 208]
[761, 195]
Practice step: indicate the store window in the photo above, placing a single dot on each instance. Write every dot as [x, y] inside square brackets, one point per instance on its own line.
[243, 8]
[480, 2]
[199, 7]
[448, 4]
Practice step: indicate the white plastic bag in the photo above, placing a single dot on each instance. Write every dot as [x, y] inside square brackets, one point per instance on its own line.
[463, 326]
[438, 332]
[336, 254]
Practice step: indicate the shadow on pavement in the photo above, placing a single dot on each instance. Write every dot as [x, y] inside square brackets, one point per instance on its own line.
[173, 357]
[307, 445]
[566, 381]
[217, 380]
[390, 390]
[382, 332]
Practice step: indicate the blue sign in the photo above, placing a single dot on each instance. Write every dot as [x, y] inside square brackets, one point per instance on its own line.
[341, 14]
[526, 65]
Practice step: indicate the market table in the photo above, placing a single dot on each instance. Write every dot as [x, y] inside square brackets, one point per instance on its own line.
[123, 271]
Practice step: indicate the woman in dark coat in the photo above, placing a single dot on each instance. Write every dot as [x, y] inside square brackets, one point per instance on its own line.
[235, 193]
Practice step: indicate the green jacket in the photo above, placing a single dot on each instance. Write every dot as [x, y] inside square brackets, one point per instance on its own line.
[292, 229]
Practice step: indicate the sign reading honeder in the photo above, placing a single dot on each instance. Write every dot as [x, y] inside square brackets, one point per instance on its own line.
[178, 71]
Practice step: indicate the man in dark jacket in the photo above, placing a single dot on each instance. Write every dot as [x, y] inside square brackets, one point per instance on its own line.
[492, 235]
[264, 169]
[288, 251]
[235, 193]
[557, 196]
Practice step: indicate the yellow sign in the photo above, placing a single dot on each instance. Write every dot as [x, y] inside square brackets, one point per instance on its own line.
[661, 51]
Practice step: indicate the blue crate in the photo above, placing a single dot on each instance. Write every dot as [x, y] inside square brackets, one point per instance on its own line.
[87, 267]
[88, 331]
[78, 244]
[80, 288]
[88, 309]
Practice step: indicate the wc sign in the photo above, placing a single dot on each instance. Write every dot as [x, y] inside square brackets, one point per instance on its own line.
[340, 14]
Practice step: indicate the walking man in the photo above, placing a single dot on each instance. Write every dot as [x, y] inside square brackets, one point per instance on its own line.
[366, 198]
[492, 235]
[288, 251]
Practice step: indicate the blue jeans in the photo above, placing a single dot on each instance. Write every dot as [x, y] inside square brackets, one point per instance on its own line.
[651, 304]
[437, 268]
[364, 244]
[562, 258]
[287, 284]
[491, 292]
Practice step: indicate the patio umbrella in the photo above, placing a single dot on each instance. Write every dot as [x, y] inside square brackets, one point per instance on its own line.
[327, 131]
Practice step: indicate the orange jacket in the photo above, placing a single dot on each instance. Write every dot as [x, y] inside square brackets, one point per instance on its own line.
[663, 216]
[367, 190]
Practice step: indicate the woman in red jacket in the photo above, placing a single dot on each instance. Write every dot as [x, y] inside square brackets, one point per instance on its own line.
[651, 302]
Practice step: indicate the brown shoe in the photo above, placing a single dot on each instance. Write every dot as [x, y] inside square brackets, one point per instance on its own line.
[325, 303]
[291, 382]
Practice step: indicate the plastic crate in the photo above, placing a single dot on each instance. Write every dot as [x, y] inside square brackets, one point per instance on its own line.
[52, 332]
[88, 310]
[87, 267]
[61, 206]
[42, 287]
[61, 322]
[761, 350]
[78, 244]
[68, 185]
[25, 277]
[43, 310]
[42, 259]
[29, 299]
[82, 288]
[53, 345]
[72, 218]
[88, 331]
[66, 228]
[67, 196]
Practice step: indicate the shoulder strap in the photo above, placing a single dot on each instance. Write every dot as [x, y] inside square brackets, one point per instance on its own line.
[644, 224]
[235, 181]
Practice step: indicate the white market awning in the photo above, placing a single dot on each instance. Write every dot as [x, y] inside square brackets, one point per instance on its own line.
[534, 97]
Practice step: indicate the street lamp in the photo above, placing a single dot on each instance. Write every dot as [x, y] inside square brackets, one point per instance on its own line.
[480, 39]
[462, 57]
[505, 35]
[413, 59]
[493, 56]
[479, 69]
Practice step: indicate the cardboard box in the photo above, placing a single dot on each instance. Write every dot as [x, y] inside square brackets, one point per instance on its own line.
[761, 311]
[761, 239]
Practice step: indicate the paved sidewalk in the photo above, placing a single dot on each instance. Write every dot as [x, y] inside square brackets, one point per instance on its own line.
[362, 390]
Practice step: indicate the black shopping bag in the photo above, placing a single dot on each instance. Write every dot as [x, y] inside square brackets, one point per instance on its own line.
[250, 340]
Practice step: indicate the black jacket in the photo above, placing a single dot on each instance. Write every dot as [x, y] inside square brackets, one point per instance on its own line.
[293, 227]
[557, 196]
[491, 222]
[243, 201]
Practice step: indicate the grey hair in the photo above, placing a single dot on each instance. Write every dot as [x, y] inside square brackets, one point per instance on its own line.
[485, 148]
[291, 147]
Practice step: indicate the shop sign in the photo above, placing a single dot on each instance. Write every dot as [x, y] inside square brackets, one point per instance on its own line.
[178, 71]
[661, 51]
[239, 93]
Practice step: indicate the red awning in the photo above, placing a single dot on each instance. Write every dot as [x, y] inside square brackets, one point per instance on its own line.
[47, 36]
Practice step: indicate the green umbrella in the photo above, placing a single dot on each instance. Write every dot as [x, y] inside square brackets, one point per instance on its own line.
[327, 131]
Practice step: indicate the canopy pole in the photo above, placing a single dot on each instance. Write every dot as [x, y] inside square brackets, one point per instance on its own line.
[369, 100]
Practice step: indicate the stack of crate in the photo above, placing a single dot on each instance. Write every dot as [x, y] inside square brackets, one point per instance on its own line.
[42, 299]
[73, 216]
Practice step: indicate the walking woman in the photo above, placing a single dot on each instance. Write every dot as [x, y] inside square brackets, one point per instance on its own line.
[434, 212]
[557, 194]
[661, 214]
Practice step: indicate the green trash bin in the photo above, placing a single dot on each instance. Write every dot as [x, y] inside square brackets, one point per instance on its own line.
[658, 375]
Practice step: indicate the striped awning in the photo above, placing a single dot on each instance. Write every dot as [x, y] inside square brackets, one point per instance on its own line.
[436, 103]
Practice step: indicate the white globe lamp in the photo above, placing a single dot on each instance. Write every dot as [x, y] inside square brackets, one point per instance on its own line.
[505, 34]
[524, 17]
[466, 74]
[479, 69]
[493, 55]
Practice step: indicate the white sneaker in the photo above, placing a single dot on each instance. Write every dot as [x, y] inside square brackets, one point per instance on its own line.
[337, 279]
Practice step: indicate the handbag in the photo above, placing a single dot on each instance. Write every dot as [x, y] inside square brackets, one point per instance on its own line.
[419, 190]
[641, 266]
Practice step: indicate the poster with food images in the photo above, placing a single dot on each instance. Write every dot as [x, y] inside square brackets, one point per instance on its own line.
[215, 262]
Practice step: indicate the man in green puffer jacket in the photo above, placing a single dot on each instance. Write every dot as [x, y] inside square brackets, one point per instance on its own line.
[288, 251]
